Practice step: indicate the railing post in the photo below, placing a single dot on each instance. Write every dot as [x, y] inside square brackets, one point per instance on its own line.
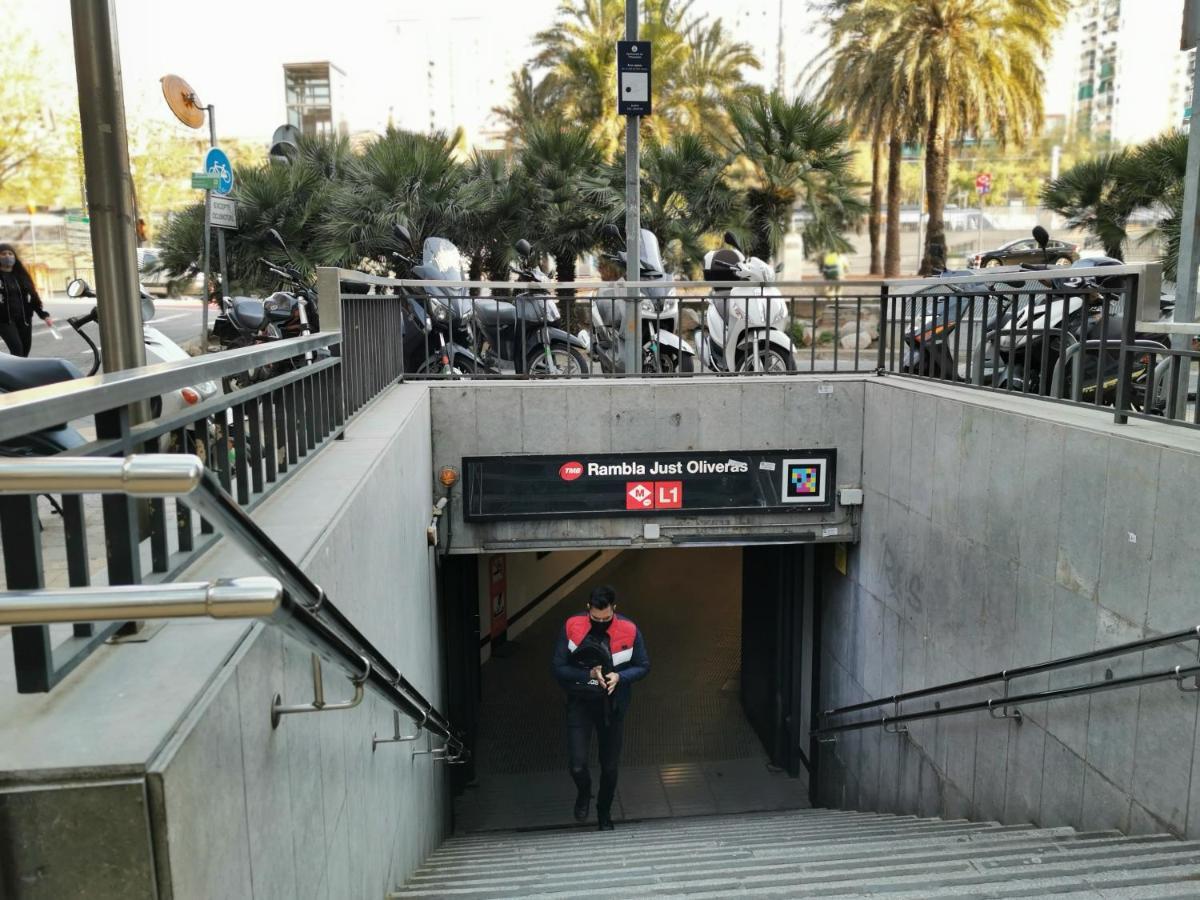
[881, 367]
[329, 296]
[1124, 369]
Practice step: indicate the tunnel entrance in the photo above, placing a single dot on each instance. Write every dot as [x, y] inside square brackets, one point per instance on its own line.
[720, 725]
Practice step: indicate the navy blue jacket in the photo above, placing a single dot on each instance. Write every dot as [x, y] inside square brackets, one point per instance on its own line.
[630, 659]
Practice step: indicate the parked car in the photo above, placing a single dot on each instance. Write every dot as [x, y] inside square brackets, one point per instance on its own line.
[1026, 250]
[158, 283]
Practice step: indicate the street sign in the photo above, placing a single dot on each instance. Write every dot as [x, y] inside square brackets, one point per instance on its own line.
[222, 212]
[500, 488]
[983, 183]
[633, 78]
[216, 162]
[77, 217]
[203, 181]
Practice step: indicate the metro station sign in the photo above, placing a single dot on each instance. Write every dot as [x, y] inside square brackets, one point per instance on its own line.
[499, 488]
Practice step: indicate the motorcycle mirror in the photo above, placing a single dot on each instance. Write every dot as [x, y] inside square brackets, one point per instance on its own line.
[277, 239]
[400, 233]
[523, 248]
[147, 308]
[76, 287]
[1041, 235]
[732, 241]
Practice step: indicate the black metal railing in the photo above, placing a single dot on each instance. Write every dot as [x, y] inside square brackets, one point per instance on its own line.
[289, 600]
[283, 402]
[1007, 705]
[419, 329]
[1068, 335]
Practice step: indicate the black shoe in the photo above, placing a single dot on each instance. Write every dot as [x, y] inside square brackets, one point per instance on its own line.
[583, 803]
[605, 822]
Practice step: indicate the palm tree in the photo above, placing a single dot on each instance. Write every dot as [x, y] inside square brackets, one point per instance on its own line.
[1100, 195]
[294, 199]
[711, 77]
[568, 200]
[401, 177]
[495, 200]
[855, 76]
[530, 100]
[1089, 197]
[969, 67]
[685, 193]
[796, 153]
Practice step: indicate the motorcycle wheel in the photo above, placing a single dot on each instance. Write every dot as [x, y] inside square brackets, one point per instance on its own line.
[774, 362]
[567, 359]
[458, 367]
[668, 363]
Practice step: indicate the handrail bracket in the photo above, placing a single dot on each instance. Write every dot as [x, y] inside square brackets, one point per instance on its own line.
[278, 710]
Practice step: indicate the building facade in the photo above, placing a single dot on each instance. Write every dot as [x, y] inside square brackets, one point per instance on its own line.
[315, 94]
[1129, 69]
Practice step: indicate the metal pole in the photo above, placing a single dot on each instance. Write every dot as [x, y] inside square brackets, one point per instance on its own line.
[1189, 241]
[109, 183]
[921, 214]
[633, 219]
[980, 248]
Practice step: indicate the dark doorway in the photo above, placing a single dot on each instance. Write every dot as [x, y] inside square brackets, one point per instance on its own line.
[779, 650]
[698, 737]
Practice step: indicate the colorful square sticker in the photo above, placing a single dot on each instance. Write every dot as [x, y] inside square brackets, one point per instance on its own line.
[803, 481]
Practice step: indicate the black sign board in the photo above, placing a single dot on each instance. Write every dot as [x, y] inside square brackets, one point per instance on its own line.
[633, 78]
[643, 484]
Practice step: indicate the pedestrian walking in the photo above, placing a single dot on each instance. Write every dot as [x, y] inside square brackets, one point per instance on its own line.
[19, 301]
[598, 656]
[834, 267]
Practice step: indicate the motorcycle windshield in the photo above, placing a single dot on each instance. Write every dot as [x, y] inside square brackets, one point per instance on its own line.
[441, 261]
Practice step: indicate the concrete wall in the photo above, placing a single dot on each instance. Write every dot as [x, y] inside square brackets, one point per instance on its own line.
[153, 771]
[536, 581]
[609, 415]
[1003, 532]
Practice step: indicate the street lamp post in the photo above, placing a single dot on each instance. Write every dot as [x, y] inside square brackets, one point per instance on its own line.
[633, 218]
[109, 187]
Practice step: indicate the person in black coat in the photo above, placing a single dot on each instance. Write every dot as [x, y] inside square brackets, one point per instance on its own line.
[19, 301]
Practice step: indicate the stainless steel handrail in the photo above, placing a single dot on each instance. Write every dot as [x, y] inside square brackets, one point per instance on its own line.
[306, 612]
[1004, 676]
[1176, 673]
[32, 409]
[226, 598]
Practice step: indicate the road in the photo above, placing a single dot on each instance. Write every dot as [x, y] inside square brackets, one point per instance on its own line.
[177, 319]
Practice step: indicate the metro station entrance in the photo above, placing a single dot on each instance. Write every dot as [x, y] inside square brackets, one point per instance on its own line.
[720, 725]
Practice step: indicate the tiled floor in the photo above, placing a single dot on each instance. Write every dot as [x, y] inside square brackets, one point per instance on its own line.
[688, 747]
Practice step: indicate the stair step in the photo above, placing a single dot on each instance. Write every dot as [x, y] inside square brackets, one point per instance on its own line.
[907, 852]
[952, 864]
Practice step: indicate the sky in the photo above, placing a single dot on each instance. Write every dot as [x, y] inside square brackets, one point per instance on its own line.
[232, 52]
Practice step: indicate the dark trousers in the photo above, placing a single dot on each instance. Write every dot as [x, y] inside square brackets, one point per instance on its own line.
[584, 716]
[12, 335]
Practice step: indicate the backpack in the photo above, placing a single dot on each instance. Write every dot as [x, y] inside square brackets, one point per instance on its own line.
[592, 651]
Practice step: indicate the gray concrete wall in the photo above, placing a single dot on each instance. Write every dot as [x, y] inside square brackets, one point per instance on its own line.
[1003, 532]
[609, 415]
[153, 771]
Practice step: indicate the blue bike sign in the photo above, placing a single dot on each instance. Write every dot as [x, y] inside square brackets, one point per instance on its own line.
[217, 163]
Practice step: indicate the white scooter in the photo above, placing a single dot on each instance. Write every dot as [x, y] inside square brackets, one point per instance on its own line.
[159, 348]
[662, 349]
[744, 326]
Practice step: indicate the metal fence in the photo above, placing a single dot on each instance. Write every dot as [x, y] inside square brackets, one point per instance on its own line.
[1085, 336]
[283, 402]
[415, 329]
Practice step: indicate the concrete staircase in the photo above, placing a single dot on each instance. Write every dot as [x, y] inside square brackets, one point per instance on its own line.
[811, 853]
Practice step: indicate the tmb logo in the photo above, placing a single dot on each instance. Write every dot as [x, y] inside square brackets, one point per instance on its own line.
[569, 471]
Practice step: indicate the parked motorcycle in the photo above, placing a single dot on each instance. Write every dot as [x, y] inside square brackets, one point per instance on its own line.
[522, 333]
[662, 349]
[743, 324]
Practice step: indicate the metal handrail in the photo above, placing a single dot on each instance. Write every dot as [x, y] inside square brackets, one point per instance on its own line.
[1006, 675]
[1006, 274]
[224, 598]
[33, 409]
[305, 611]
[1176, 673]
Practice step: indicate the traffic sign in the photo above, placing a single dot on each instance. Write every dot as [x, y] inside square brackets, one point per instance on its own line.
[222, 212]
[203, 181]
[216, 162]
[983, 183]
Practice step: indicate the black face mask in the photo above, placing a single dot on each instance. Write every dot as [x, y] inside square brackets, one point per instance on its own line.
[599, 627]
